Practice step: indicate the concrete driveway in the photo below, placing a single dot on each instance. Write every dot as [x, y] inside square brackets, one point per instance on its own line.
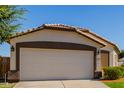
[61, 84]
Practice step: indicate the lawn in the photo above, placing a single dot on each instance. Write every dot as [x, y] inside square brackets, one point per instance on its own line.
[9, 85]
[114, 83]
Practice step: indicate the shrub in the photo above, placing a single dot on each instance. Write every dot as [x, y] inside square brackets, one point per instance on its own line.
[122, 70]
[113, 73]
[122, 65]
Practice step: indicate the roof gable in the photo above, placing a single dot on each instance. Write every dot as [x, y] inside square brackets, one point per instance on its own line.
[62, 27]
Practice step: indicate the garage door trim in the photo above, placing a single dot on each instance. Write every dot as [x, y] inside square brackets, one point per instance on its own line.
[52, 45]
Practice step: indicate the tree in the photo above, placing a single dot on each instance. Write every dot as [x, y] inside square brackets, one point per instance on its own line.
[9, 21]
[122, 54]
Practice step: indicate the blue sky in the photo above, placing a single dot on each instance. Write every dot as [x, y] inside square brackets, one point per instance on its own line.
[106, 21]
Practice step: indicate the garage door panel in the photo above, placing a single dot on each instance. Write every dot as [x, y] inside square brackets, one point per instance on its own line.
[40, 64]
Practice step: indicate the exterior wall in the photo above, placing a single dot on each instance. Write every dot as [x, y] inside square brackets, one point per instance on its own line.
[48, 35]
[115, 59]
[12, 60]
[98, 60]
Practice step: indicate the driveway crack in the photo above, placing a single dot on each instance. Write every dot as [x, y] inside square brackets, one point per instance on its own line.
[63, 84]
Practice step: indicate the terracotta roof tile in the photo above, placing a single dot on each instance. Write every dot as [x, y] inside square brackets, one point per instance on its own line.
[65, 27]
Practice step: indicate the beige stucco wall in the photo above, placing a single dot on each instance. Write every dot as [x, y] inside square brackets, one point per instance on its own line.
[12, 61]
[48, 35]
[115, 59]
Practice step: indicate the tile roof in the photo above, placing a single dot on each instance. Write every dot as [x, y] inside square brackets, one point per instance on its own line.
[49, 26]
[64, 27]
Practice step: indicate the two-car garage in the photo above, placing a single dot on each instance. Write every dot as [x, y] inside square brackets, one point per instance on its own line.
[45, 64]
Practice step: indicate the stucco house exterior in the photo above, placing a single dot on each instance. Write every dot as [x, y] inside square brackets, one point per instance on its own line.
[57, 51]
[121, 61]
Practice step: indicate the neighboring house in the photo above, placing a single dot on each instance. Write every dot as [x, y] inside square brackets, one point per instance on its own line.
[121, 61]
[57, 51]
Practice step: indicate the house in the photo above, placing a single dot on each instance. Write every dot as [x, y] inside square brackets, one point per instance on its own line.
[57, 51]
[121, 61]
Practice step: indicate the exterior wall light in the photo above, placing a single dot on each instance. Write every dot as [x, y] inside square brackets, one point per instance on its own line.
[12, 48]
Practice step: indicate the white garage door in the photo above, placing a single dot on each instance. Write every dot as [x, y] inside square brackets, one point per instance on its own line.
[44, 64]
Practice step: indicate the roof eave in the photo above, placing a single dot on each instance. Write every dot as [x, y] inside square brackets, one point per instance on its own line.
[115, 46]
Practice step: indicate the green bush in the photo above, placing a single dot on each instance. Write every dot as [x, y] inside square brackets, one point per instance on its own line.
[122, 70]
[122, 65]
[113, 73]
